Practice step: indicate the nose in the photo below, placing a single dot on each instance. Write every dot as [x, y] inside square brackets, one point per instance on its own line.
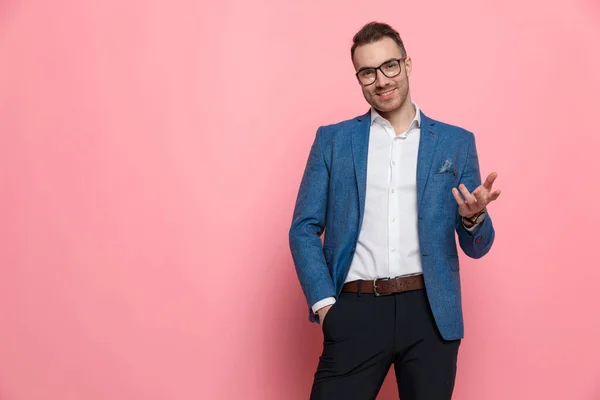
[381, 79]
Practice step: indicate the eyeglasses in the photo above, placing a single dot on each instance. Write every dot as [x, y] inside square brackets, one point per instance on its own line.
[390, 69]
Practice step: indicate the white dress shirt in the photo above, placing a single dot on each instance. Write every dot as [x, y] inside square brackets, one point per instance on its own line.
[388, 242]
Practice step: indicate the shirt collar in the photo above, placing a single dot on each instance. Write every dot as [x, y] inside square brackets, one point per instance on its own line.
[415, 123]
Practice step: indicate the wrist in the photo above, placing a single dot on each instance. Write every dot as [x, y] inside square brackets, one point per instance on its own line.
[323, 309]
[472, 220]
[467, 223]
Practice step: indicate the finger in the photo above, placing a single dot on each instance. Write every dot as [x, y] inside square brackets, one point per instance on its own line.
[489, 181]
[480, 193]
[495, 195]
[458, 197]
[469, 198]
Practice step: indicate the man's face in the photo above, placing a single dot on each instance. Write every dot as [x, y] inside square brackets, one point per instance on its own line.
[385, 94]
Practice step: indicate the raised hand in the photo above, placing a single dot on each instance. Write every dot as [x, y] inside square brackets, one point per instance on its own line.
[477, 200]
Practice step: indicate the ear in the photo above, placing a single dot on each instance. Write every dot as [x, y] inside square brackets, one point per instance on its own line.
[408, 64]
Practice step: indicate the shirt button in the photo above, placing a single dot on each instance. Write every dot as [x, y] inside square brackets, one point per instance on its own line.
[393, 219]
[394, 249]
[393, 190]
[393, 162]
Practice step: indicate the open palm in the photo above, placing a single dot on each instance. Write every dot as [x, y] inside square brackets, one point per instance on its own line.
[476, 201]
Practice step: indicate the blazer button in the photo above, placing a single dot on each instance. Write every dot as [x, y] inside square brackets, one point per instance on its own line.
[478, 239]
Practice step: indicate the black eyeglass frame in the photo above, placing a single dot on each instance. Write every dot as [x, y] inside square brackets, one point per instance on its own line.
[379, 68]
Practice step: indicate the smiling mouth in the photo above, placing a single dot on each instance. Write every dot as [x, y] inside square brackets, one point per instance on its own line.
[384, 94]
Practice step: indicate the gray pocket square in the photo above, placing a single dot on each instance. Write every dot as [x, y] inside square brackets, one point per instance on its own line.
[447, 166]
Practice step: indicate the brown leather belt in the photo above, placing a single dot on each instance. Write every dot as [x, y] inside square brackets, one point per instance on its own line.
[386, 286]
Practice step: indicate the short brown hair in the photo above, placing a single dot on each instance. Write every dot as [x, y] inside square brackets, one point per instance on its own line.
[373, 32]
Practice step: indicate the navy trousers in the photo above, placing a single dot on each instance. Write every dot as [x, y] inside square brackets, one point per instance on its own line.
[364, 335]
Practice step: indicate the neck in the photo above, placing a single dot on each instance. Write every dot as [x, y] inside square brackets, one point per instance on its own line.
[401, 117]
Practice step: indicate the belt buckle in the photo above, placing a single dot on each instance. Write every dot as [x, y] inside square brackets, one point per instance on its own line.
[377, 294]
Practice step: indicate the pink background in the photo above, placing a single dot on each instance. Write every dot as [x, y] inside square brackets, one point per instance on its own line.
[150, 155]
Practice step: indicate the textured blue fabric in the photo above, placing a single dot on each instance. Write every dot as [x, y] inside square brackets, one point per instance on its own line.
[331, 200]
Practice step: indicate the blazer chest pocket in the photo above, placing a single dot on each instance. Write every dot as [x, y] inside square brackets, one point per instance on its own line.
[448, 176]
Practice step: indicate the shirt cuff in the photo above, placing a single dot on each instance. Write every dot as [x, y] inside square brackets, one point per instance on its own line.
[322, 303]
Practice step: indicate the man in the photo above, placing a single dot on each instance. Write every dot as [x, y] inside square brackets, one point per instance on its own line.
[389, 189]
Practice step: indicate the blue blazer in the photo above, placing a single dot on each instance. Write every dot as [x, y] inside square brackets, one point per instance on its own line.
[331, 199]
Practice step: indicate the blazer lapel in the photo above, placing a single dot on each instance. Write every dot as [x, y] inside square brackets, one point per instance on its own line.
[427, 145]
[360, 151]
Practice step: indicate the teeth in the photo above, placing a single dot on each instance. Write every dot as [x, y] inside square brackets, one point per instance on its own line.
[386, 93]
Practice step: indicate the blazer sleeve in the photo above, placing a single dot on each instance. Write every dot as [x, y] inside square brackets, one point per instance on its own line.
[478, 243]
[308, 224]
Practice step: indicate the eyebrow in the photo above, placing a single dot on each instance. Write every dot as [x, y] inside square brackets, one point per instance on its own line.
[386, 61]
